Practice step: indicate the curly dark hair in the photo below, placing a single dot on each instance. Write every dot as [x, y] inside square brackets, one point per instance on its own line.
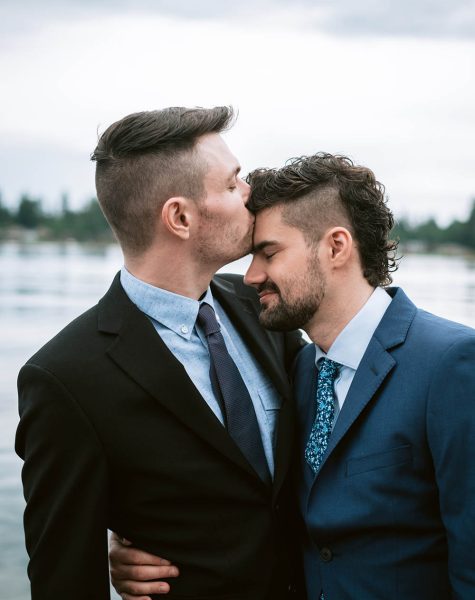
[317, 190]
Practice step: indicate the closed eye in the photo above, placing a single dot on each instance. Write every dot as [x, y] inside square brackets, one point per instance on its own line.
[266, 248]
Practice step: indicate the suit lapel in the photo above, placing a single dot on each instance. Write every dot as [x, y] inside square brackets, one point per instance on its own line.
[244, 317]
[373, 370]
[376, 365]
[284, 444]
[306, 394]
[141, 353]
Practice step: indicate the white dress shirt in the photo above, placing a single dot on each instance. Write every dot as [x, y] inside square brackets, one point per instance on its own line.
[174, 319]
[349, 347]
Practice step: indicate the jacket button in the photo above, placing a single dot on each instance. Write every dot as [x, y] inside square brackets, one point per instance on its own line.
[326, 554]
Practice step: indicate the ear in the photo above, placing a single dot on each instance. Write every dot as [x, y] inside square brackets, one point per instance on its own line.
[176, 216]
[339, 244]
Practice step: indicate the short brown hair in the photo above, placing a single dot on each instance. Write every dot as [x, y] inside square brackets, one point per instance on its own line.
[146, 158]
[318, 190]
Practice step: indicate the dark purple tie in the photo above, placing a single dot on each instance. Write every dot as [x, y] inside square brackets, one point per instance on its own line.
[230, 389]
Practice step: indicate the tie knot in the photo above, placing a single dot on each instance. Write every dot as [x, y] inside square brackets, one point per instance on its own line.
[207, 319]
[328, 369]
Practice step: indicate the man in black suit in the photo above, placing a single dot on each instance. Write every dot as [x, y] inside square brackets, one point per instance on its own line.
[125, 420]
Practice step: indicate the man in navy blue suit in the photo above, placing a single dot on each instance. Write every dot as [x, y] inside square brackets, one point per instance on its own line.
[385, 394]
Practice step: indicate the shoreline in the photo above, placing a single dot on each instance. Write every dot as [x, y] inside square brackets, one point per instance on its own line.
[31, 238]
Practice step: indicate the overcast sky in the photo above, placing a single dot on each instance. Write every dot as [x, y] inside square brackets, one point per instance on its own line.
[391, 84]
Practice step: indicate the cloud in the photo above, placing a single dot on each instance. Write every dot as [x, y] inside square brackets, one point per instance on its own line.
[402, 105]
[427, 18]
[418, 18]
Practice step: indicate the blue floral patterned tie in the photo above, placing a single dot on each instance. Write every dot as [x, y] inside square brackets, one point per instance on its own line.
[322, 426]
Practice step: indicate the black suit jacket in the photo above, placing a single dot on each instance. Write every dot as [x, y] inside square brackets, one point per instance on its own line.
[115, 435]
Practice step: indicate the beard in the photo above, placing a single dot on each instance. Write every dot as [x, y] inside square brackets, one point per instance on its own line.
[295, 306]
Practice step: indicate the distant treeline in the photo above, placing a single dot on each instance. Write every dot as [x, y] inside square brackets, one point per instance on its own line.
[459, 233]
[84, 225]
[88, 224]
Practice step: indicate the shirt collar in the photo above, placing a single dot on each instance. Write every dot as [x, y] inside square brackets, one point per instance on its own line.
[350, 345]
[177, 313]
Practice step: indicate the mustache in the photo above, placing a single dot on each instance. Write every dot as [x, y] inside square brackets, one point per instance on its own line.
[268, 286]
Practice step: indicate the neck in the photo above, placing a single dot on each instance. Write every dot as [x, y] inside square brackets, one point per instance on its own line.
[171, 270]
[336, 310]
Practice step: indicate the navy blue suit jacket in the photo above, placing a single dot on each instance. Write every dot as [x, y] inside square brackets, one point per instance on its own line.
[391, 513]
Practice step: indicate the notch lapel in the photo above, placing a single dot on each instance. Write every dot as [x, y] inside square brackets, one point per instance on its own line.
[283, 445]
[373, 370]
[376, 365]
[141, 353]
[245, 318]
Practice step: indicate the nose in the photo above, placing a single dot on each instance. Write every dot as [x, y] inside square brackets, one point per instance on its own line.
[246, 190]
[255, 275]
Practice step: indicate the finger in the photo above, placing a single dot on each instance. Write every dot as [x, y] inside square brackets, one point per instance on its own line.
[125, 542]
[129, 597]
[115, 537]
[142, 572]
[133, 556]
[140, 589]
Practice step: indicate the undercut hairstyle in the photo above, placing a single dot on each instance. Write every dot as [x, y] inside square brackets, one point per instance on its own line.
[326, 190]
[146, 158]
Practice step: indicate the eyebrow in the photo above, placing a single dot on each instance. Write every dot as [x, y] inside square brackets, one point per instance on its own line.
[234, 173]
[262, 245]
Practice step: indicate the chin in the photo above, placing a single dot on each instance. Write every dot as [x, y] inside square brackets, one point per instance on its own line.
[276, 319]
[274, 325]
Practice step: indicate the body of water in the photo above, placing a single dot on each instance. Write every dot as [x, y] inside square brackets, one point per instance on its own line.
[44, 286]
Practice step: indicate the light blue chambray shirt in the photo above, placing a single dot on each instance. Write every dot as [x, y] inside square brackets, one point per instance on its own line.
[350, 345]
[174, 318]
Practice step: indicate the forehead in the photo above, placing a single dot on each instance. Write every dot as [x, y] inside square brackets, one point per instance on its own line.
[269, 227]
[215, 152]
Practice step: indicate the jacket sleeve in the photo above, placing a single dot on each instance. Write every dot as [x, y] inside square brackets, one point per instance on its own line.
[451, 436]
[65, 486]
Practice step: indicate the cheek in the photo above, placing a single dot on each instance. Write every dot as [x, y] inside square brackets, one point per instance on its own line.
[289, 281]
[240, 220]
[236, 203]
